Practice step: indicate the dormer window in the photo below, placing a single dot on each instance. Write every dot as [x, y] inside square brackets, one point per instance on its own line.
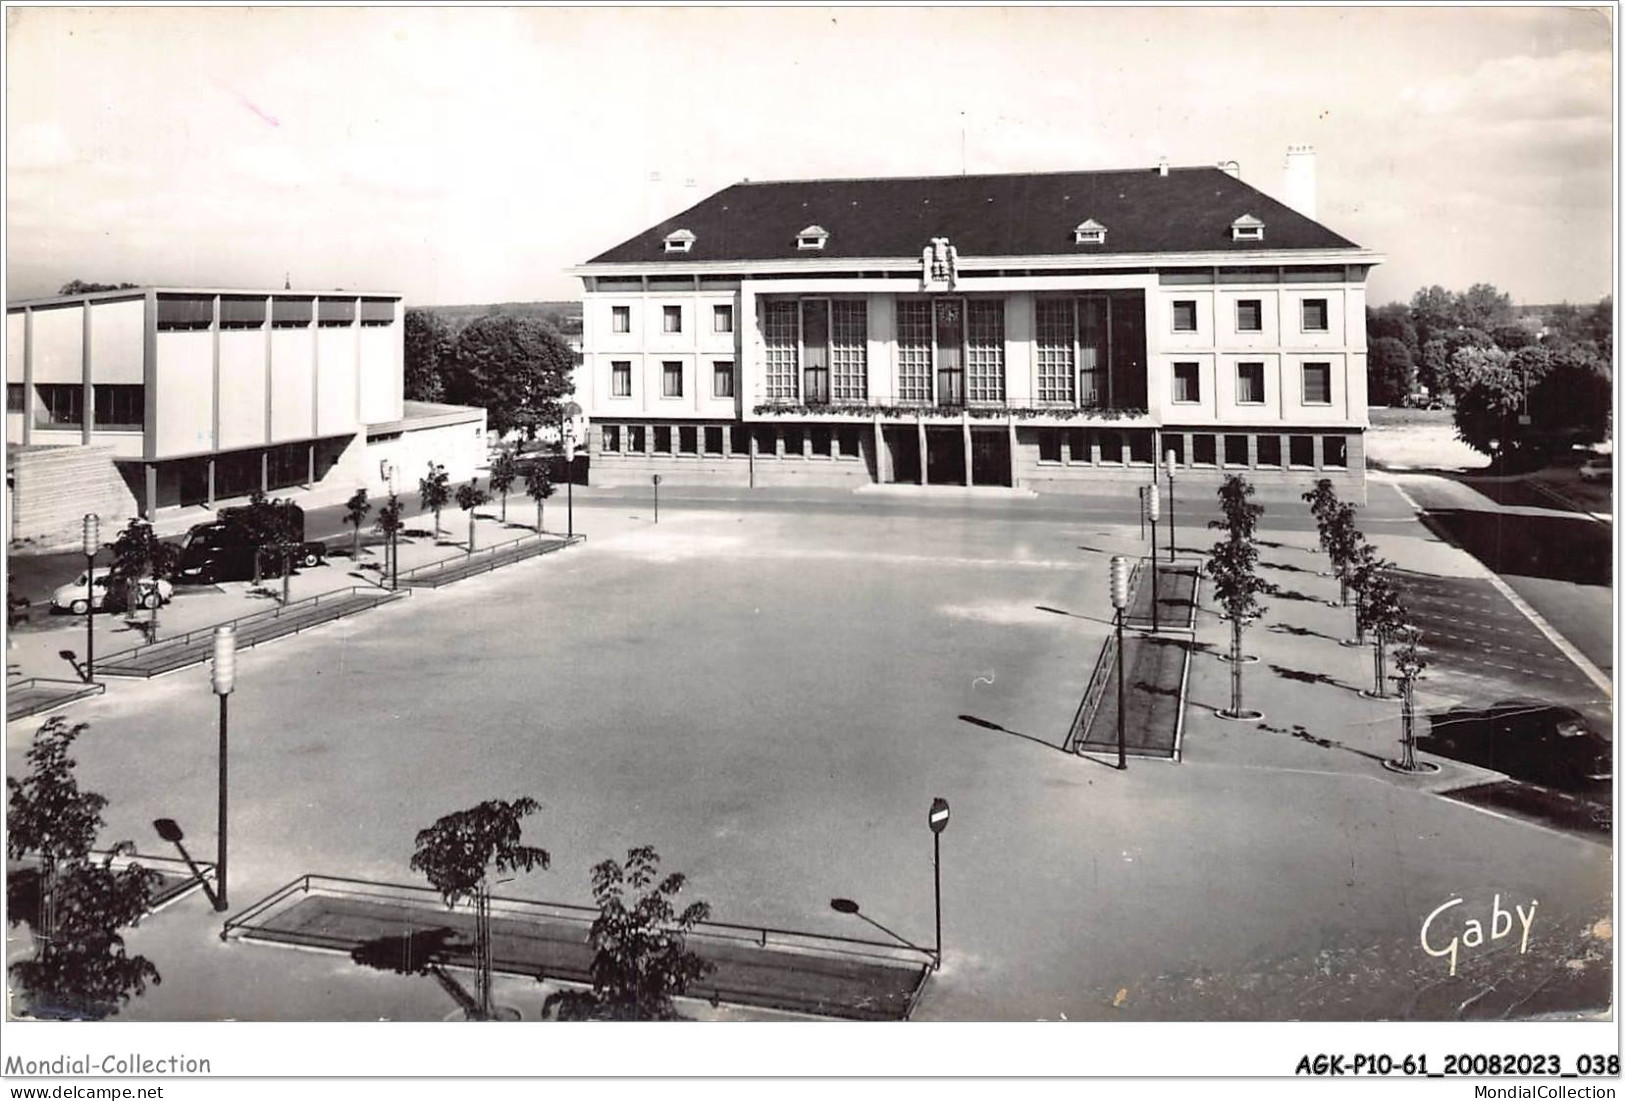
[1246, 228]
[812, 238]
[679, 240]
[1089, 232]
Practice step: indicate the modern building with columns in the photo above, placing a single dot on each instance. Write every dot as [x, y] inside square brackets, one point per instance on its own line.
[198, 394]
[1052, 331]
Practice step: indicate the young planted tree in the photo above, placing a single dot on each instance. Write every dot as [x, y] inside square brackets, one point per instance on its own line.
[1362, 573]
[355, 514]
[1343, 543]
[389, 524]
[74, 906]
[641, 961]
[1233, 566]
[140, 561]
[469, 498]
[461, 853]
[1383, 615]
[538, 487]
[258, 520]
[1409, 662]
[434, 493]
[504, 473]
[1322, 501]
[283, 540]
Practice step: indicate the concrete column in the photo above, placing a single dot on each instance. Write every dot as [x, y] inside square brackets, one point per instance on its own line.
[925, 477]
[88, 417]
[214, 393]
[149, 378]
[210, 461]
[28, 376]
[269, 326]
[310, 465]
[265, 472]
[964, 430]
[151, 470]
[1015, 479]
[883, 471]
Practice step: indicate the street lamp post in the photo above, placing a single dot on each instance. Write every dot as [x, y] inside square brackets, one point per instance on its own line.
[1120, 602]
[223, 678]
[92, 539]
[656, 480]
[1170, 461]
[1153, 503]
[939, 822]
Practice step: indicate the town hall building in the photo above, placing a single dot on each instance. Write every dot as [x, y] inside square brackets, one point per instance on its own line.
[1052, 331]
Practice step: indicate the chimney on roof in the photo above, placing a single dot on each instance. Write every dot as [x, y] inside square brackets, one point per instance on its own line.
[1162, 166]
[1298, 185]
[1231, 169]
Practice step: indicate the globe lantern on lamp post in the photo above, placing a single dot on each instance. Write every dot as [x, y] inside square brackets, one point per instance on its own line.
[223, 678]
[1119, 577]
[1153, 501]
[1170, 461]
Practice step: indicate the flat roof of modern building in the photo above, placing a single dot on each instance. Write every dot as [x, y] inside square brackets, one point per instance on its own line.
[247, 292]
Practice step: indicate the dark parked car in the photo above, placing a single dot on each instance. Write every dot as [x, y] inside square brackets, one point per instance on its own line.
[1544, 743]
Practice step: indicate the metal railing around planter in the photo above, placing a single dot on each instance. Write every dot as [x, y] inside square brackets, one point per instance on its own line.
[1093, 693]
[39, 694]
[447, 570]
[166, 656]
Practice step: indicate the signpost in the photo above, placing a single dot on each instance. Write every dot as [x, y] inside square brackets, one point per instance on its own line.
[939, 822]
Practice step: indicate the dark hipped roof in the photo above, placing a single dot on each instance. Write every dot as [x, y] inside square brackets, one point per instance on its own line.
[1188, 210]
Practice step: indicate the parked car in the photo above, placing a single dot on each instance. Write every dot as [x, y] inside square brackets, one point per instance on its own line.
[1543, 743]
[225, 549]
[1597, 469]
[85, 593]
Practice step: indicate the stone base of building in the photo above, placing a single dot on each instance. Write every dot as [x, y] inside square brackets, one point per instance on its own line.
[1281, 464]
[52, 488]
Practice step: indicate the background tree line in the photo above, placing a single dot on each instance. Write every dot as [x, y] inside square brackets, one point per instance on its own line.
[515, 367]
[1518, 390]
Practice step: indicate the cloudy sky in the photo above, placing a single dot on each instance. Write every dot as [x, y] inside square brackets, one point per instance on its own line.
[471, 155]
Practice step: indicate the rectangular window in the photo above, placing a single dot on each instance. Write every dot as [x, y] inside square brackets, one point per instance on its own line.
[611, 437]
[722, 319]
[794, 441]
[1094, 350]
[722, 378]
[739, 439]
[620, 379]
[1049, 445]
[1184, 315]
[1204, 449]
[671, 379]
[713, 439]
[985, 350]
[1235, 451]
[1111, 446]
[1077, 445]
[822, 437]
[636, 439]
[914, 349]
[851, 439]
[180, 312]
[1175, 442]
[375, 312]
[1302, 450]
[849, 350]
[767, 440]
[1334, 452]
[1249, 384]
[291, 313]
[16, 397]
[1249, 315]
[1056, 349]
[120, 406]
[61, 405]
[1317, 383]
[242, 313]
[671, 319]
[781, 336]
[688, 440]
[620, 319]
[662, 434]
[334, 313]
[1269, 450]
[1139, 448]
[1314, 315]
[1188, 382]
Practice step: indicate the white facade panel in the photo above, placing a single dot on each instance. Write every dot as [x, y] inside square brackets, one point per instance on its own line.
[242, 388]
[118, 342]
[59, 340]
[16, 341]
[183, 402]
[338, 363]
[381, 378]
[293, 367]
